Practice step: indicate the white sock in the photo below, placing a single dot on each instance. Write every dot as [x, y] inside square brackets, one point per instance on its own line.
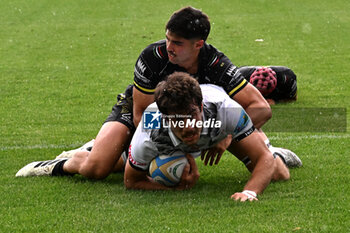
[271, 148]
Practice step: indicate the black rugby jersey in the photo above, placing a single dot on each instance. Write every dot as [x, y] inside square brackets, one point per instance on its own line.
[214, 67]
[286, 88]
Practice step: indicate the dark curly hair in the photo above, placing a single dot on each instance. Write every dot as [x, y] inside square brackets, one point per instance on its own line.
[178, 93]
[189, 23]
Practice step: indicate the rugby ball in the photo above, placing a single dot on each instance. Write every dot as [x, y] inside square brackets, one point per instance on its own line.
[167, 169]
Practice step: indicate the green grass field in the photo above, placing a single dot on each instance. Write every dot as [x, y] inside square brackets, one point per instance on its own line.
[62, 64]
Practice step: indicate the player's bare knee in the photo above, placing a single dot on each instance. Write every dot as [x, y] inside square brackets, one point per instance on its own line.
[281, 171]
[282, 175]
[285, 175]
[99, 174]
[94, 170]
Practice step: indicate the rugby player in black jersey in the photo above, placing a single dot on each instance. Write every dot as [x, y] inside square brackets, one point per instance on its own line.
[183, 50]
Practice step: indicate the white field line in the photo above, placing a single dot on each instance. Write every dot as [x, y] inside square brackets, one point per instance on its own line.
[42, 146]
[309, 137]
[76, 145]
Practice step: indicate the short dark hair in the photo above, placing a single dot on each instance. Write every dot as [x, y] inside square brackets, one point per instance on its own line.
[178, 93]
[189, 23]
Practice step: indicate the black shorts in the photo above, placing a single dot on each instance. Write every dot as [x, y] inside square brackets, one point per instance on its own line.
[122, 110]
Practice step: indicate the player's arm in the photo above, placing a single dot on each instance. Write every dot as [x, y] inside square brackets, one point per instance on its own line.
[190, 174]
[139, 156]
[140, 103]
[254, 104]
[215, 152]
[146, 78]
[262, 162]
[138, 179]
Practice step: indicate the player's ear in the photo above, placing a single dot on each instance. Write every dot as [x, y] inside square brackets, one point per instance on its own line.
[199, 44]
[202, 107]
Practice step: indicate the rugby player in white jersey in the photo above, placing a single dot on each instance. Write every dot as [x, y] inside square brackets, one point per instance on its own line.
[181, 95]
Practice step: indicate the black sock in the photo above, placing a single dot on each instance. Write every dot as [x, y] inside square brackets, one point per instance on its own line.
[58, 169]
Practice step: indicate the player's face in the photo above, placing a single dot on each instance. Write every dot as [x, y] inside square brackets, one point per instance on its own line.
[180, 50]
[189, 134]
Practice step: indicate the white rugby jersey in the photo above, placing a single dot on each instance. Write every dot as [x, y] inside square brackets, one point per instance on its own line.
[147, 144]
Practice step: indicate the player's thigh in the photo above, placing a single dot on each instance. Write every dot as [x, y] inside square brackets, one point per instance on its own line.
[110, 142]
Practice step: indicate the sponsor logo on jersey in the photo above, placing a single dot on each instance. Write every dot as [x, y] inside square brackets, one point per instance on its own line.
[140, 71]
[242, 122]
[140, 66]
[234, 79]
[231, 71]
